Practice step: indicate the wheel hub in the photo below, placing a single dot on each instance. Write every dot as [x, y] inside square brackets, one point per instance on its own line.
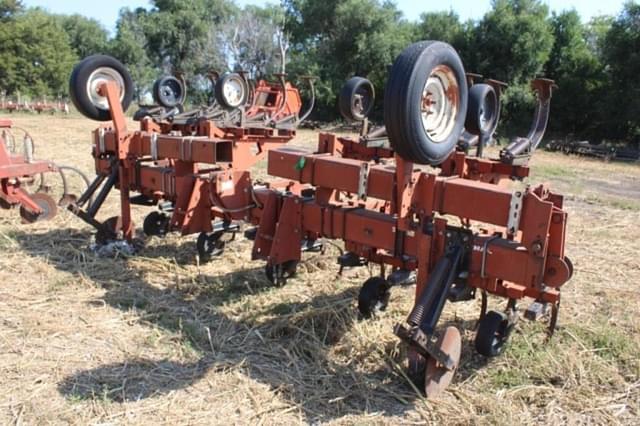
[96, 79]
[440, 103]
[437, 377]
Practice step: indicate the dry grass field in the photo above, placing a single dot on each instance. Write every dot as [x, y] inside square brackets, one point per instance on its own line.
[158, 339]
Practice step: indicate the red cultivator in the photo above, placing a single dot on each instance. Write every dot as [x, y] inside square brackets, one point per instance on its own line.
[193, 165]
[407, 196]
[19, 171]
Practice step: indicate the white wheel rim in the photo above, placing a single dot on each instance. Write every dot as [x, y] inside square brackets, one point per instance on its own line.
[233, 91]
[96, 79]
[440, 103]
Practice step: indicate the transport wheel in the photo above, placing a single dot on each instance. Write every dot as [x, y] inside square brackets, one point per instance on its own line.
[356, 99]
[437, 377]
[373, 296]
[231, 91]
[210, 245]
[493, 332]
[425, 102]
[483, 110]
[279, 274]
[168, 92]
[46, 203]
[156, 224]
[86, 78]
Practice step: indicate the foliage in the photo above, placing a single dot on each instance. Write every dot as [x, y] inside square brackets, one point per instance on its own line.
[622, 55]
[86, 36]
[595, 64]
[130, 47]
[338, 39]
[35, 55]
[579, 74]
[9, 8]
[252, 40]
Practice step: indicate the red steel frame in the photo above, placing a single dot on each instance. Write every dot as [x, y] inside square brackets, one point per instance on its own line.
[381, 211]
[400, 216]
[204, 174]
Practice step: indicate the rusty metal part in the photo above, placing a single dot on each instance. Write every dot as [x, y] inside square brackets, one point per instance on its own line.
[437, 376]
[199, 167]
[519, 151]
[18, 173]
[47, 209]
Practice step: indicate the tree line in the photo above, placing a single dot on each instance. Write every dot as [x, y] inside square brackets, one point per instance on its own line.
[594, 63]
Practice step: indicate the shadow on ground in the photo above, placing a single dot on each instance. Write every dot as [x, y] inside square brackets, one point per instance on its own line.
[264, 349]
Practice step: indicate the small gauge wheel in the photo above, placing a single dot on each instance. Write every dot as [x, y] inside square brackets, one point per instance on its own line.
[168, 92]
[279, 274]
[356, 99]
[210, 245]
[231, 91]
[483, 110]
[373, 297]
[493, 332]
[156, 224]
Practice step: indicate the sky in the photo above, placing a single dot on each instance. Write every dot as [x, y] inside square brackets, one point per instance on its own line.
[107, 11]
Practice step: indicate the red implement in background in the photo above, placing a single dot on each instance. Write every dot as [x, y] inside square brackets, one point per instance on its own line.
[17, 172]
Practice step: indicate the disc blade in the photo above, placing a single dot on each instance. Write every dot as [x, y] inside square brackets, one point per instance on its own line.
[437, 377]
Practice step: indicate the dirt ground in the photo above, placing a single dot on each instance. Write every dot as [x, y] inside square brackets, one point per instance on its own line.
[159, 339]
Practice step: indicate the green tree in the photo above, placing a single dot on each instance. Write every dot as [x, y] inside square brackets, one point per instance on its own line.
[622, 54]
[9, 8]
[574, 66]
[512, 43]
[252, 40]
[442, 26]
[35, 56]
[179, 33]
[337, 39]
[130, 47]
[86, 36]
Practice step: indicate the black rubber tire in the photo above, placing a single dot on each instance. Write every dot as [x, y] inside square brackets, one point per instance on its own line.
[492, 334]
[483, 110]
[354, 90]
[219, 94]
[156, 224]
[168, 92]
[209, 245]
[141, 114]
[374, 296]
[78, 86]
[279, 274]
[403, 102]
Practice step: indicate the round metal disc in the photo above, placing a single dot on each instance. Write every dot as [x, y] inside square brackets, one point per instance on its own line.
[437, 377]
[416, 366]
[440, 103]
[233, 90]
[46, 204]
[96, 79]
